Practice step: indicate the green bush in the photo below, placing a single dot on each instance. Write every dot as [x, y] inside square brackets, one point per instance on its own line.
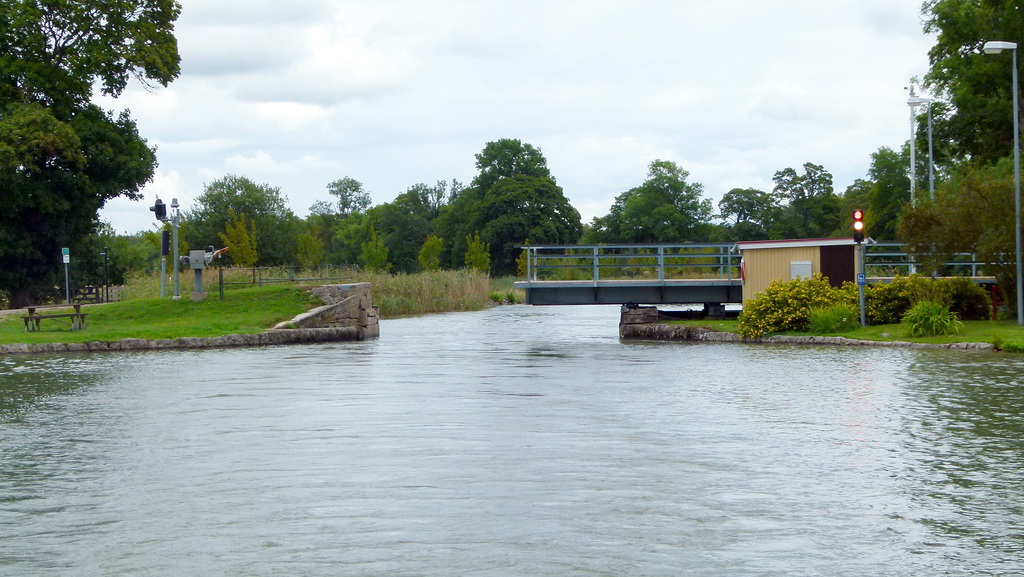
[785, 306]
[929, 319]
[886, 303]
[838, 318]
[968, 299]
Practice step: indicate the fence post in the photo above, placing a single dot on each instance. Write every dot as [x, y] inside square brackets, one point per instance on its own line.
[597, 267]
[661, 263]
[728, 261]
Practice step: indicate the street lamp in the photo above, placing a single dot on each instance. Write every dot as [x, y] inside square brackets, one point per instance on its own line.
[175, 222]
[995, 47]
[106, 289]
[915, 101]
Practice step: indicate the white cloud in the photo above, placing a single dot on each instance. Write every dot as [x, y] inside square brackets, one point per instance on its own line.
[395, 92]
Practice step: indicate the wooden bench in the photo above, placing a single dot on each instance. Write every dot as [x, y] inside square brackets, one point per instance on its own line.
[32, 318]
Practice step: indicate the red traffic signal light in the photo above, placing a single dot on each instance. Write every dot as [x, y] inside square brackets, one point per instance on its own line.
[858, 225]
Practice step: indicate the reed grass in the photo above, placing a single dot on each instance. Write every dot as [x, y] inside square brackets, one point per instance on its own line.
[427, 292]
[394, 294]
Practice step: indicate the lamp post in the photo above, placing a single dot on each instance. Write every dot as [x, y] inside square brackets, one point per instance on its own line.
[995, 47]
[913, 139]
[175, 221]
[915, 101]
[106, 290]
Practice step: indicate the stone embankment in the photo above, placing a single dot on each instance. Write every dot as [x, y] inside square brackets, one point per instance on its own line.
[348, 315]
[642, 323]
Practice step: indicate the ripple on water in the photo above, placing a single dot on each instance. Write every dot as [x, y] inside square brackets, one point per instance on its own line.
[512, 441]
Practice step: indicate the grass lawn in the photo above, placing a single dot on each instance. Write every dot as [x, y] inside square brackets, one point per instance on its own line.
[1006, 334]
[243, 311]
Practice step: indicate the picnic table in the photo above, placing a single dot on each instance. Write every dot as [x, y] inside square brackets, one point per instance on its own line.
[32, 318]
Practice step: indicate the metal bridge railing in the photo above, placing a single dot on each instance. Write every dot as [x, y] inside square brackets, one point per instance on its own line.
[886, 259]
[631, 262]
[697, 261]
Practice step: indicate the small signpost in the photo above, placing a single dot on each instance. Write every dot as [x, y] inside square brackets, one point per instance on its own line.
[66, 255]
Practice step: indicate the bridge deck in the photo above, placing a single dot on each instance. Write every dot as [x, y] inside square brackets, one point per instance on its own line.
[620, 292]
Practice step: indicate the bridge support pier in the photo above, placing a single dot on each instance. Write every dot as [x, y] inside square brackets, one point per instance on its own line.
[640, 315]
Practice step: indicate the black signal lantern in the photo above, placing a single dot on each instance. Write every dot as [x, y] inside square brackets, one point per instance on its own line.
[160, 210]
[858, 226]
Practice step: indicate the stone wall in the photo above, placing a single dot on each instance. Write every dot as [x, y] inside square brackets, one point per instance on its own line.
[346, 306]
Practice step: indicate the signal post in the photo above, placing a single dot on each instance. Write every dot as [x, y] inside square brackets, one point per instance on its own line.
[862, 279]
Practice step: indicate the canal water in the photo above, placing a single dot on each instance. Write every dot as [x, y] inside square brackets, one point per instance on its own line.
[512, 441]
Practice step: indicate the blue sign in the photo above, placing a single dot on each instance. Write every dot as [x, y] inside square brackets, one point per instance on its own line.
[862, 279]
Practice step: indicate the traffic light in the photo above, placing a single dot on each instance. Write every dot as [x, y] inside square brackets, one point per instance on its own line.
[858, 226]
[160, 210]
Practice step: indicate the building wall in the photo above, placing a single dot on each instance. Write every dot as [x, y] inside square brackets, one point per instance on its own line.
[837, 263]
[762, 266]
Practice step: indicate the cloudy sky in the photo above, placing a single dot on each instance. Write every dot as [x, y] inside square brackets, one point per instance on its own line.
[396, 92]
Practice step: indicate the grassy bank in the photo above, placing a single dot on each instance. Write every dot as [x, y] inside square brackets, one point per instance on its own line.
[246, 309]
[1004, 335]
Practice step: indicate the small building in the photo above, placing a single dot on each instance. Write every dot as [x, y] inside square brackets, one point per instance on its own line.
[767, 260]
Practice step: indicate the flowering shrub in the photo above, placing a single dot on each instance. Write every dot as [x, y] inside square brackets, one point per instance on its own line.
[785, 306]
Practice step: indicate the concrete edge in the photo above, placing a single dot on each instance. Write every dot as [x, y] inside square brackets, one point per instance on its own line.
[272, 337]
[663, 332]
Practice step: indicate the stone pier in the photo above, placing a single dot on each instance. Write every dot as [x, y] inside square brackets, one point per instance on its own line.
[346, 306]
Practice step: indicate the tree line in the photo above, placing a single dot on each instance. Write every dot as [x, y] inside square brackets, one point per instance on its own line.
[62, 157]
[514, 200]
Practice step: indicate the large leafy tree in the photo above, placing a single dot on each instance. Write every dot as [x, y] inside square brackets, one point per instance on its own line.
[350, 194]
[404, 225]
[978, 86]
[664, 209]
[749, 213]
[506, 158]
[889, 192]
[512, 195]
[62, 157]
[263, 205]
[972, 212]
[811, 209]
[525, 207]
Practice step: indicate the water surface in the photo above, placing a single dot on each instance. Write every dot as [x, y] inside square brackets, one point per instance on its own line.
[514, 441]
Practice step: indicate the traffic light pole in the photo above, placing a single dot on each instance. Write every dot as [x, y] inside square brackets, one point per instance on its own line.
[860, 285]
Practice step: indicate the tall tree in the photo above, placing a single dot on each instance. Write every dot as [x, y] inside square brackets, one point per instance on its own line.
[812, 209]
[522, 207]
[512, 195]
[506, 158]
[62, 157]
[889, 193]
[977, 86]
[664, 209]
[350, 194]
[264, 206]
[972, 212]
[749, 212]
